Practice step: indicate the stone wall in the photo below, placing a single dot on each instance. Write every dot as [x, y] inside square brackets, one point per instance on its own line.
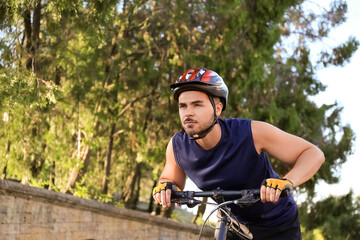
[29, 213]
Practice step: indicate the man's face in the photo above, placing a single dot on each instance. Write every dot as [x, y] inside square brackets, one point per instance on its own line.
[196, 112]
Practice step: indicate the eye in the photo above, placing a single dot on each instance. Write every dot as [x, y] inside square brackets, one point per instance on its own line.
[198, 104]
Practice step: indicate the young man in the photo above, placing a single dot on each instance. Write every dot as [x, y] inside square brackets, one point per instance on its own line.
[231, 154]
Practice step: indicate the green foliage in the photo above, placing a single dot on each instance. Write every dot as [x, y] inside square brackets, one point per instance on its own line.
[332, 218]
[340, 54]
[86, 84]
[25, 89]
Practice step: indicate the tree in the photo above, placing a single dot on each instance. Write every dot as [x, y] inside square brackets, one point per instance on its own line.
[336, 217]
[86, 84]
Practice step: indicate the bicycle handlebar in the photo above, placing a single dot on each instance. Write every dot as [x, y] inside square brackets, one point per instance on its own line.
[247, 195]
[215, 193]
[188, 197]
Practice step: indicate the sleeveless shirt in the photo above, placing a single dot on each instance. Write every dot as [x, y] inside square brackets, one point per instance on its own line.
[233, 164]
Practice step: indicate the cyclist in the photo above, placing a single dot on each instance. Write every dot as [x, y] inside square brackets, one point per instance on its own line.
[231, 154]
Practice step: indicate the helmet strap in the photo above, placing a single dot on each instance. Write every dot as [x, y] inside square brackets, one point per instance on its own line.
[208, 130]
[205, 132]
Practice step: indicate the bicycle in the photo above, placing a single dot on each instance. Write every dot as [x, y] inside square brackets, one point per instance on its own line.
[225, 222]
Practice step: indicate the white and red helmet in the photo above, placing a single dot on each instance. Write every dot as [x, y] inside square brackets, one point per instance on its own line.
[200, 79]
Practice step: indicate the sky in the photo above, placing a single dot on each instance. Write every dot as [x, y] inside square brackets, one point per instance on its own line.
[343, 86]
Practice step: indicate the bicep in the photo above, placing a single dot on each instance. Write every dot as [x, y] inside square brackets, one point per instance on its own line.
[282, 145]
[172, 172]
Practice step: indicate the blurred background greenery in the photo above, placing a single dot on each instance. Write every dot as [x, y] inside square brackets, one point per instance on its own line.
[86, 107]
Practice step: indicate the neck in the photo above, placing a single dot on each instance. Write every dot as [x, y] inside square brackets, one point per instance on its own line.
[211, 139]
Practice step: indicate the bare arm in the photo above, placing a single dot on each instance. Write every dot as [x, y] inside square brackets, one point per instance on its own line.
[171, 173]
[305, 157]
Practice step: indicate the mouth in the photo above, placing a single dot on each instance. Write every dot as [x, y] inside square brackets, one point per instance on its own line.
[189, 122]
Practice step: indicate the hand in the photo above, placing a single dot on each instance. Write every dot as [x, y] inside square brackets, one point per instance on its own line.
[162, 193]
[272, 187]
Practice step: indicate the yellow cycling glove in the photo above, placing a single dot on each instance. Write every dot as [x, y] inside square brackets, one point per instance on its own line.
[278, 183]
[164, 186]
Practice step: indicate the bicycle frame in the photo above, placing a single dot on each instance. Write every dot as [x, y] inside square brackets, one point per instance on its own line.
[222, 227]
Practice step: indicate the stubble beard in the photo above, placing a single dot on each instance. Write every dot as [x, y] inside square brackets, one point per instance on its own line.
[191, 130]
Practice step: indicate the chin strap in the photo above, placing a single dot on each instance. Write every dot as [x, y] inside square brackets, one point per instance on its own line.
[206, 131]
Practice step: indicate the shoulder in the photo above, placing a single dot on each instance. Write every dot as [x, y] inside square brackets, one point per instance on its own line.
[262, 134]
[263, 129]
[179, 138]
[259, 125]
[237, 126]
[236, 122]
[169, 149]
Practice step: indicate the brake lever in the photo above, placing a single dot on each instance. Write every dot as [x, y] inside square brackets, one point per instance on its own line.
[190, 202]
[187, 198]
[246, 200]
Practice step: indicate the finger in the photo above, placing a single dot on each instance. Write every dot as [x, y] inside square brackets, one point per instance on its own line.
[277, 195]
[157, 198]
[168, 197]
[263, 193]
[163, 199]
[267, 194]
[268, 190]
[272, 194]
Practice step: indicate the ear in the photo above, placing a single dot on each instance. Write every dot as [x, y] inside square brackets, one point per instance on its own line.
[219, 107]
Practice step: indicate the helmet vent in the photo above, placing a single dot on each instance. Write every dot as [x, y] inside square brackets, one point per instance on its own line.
[201, 72]
[188, 75]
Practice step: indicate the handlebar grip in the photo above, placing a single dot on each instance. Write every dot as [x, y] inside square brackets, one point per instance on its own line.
[257, 192]
[176, 194]
[285, 192]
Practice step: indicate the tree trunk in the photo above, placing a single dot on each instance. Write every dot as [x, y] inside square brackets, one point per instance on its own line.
[86, 154]
[38, 162]
[32, 35]
[107, 163]
[52, 176]
[4, 172]
[84, 161]
[36, 35]
[77, 173]
[130, 193]
[151, 202]
[28, 38]
[112, 95]
[201, 210]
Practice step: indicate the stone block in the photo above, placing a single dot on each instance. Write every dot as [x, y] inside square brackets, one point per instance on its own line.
[9, 229]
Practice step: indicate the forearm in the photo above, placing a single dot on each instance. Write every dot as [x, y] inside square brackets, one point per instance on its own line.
[165, 179]
[177, 179]
[307, 164]
[172, 172]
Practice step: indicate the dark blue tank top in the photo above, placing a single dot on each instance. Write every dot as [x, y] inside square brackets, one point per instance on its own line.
[233, 164]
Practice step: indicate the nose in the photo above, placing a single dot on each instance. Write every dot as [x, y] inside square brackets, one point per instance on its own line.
[186, 112]
[189, 111]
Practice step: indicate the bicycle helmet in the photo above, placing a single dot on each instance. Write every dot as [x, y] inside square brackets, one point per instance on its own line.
[201, 79]
[207, 81]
